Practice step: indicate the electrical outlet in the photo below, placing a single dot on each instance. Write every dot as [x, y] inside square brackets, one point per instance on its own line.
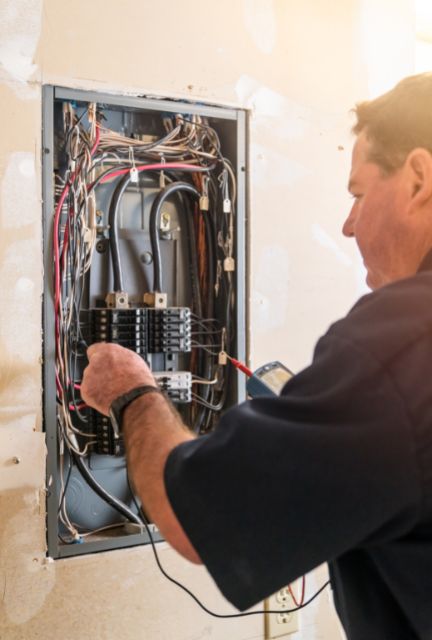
[280, 625]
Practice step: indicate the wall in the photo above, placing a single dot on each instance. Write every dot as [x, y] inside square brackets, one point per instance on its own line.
[423, 50]
[298, 67]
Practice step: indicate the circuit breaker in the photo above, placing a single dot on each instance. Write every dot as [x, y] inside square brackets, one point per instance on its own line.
[144, 246]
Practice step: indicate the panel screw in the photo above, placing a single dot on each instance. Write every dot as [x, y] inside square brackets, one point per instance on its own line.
[16, 460]
[146, 257]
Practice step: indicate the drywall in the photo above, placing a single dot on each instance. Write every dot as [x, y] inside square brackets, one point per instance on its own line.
[298, 67]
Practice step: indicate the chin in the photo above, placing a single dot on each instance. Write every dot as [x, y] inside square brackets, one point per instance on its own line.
[375, 281]
[371, 282]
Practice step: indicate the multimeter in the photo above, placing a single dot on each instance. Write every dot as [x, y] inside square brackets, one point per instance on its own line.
[268, 380]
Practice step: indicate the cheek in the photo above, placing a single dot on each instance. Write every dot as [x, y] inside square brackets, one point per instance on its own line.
[371, 235]
[367, 227]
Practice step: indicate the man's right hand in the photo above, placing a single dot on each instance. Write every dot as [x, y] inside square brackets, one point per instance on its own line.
[111, 372]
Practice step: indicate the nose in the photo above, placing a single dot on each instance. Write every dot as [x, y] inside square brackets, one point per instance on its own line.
[348, 225]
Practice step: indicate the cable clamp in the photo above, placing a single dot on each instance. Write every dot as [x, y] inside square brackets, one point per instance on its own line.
[229, 264]
[162, 181]
[134, 170]
[222, 358]
[204, 199]
[204, 203]
[218, 277]
[227, 205]
[91, 112]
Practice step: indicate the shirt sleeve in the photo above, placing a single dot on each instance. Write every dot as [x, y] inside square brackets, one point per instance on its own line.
[286, 483]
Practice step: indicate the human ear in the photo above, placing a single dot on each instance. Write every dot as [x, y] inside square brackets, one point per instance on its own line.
[418, 166]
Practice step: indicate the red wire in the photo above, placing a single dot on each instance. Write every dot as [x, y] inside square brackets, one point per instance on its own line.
[97, 139]
[148, 167]
[57, 259]
[56, 226]
[302, 597]
[82, 405]
[303, 589]
[56, 244]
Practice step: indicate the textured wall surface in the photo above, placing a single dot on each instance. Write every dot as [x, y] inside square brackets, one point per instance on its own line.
[299, 68]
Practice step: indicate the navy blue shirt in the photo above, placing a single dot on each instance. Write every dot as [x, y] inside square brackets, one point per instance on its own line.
[337, 469]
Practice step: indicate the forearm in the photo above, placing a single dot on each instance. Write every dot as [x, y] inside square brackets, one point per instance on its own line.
[151, 429]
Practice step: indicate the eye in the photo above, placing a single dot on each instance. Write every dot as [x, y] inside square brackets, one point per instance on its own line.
[356, 196]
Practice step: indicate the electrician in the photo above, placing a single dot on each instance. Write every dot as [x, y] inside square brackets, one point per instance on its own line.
[339, 467]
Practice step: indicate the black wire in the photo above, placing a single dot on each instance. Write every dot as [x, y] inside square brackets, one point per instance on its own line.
[65, 486]
[206, 360]
[158, 202]
[262, 612]
[107, 497]
[208, 128]
[210, 233]
[113, 234]
[154, 237]
[193, 260]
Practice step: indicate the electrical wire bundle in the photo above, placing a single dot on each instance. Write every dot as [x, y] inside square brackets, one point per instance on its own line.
[203, 184]
[187, 166]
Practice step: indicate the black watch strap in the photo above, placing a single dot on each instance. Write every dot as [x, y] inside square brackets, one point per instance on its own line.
[119, 405]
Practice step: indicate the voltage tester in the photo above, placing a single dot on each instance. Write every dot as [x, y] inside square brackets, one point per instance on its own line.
[265, 381]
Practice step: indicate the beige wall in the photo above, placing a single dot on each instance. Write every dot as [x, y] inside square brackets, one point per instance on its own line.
[299, 67]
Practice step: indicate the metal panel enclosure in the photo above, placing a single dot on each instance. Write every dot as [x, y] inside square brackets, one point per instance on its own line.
[137, 126]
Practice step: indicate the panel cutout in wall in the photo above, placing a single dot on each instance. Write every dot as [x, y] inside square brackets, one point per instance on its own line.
[144, 242]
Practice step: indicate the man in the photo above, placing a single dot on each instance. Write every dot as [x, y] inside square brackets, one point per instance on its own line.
[339, 468]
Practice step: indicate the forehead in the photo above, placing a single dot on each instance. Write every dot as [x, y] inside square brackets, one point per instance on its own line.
[360, 150]
[361, 167]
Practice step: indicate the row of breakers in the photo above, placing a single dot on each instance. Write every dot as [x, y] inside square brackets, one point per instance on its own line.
[146, 331]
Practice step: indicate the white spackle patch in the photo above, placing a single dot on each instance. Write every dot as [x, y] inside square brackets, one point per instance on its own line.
[24, 286]
[20, 310]
[270, 289]
[270, 168]
[273, 111]
[260, 22]
[325, 240]
[20, 28]
[27, 166]
[19, 398]
[19, 197]
[29, 580]
[29, 447]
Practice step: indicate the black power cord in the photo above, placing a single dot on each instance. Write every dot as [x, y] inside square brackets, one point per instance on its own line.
[261, 612]
[157, 205]
[107, 497]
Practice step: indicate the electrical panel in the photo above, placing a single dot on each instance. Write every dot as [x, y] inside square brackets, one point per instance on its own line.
[144, 246]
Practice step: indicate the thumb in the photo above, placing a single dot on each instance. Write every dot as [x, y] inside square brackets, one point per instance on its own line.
[93, 349]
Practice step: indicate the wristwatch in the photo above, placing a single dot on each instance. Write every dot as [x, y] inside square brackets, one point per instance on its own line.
[119, 405]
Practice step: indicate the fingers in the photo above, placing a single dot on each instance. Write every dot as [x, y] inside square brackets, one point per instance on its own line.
[98, 348]
[91, 350]
[106, 349]
[112, 370]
